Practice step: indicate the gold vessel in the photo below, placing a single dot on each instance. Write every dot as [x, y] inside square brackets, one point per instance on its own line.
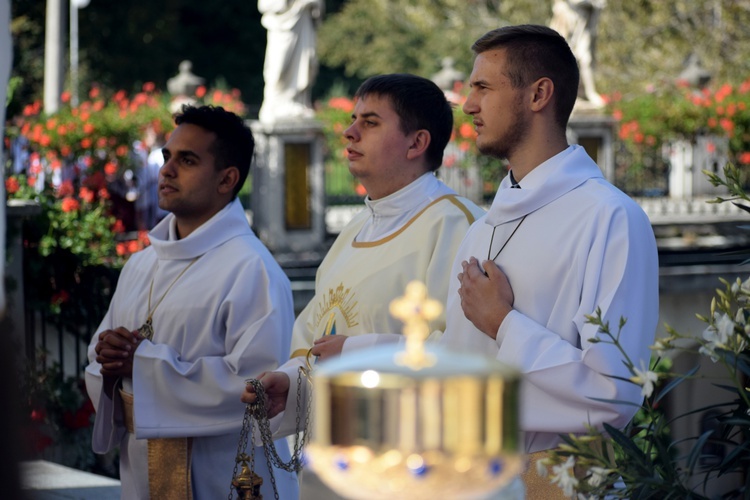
[387, 430]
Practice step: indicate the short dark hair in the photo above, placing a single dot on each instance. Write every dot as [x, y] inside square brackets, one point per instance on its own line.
[419, 104]
[533, 52]
[234, 144]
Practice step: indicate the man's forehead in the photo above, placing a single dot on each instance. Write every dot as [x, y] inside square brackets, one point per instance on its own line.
[373, 104]
[489, 66]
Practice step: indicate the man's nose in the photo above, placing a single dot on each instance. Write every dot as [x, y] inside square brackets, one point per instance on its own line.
[352, 133]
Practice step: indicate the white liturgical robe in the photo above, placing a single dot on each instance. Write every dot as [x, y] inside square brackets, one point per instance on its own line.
[226, 319]
[412, 234]
[584, 245]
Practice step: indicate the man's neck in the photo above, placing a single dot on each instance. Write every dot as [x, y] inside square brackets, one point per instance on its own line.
[533, 154]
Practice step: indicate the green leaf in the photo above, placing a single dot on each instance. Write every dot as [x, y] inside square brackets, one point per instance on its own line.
[629, 447]
[697, 450]
[675, 382]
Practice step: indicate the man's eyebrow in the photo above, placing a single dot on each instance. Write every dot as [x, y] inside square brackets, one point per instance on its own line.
[184, 153]
[367, 114]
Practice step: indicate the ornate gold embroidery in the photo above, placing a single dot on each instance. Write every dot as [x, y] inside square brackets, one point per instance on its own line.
[341, 299]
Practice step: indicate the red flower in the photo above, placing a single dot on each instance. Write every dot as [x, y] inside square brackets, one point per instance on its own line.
[88, 128]
[744, 158]
[342, 103]
[121, 150]
[65, 96]
[143, 238]
[149, 87]
[65, 189]
[110, 168]
[86, 195]
[38, 415]
[121, 249]
[11, 185]
[360, 190]
[103, 194]
[60, 297]
[200, 91]
[81, 419]
[133, 246]
[118, 227]
[85, 143]
[70, 204]
[94, 93]
[466, 131]
[727, 125]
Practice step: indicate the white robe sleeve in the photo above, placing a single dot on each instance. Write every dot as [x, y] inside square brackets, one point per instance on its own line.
[562, 379]
[196, 397]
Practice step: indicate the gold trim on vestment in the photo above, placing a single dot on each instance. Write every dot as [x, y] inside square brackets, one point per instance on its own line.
[298, 353]
[169, 475]
[538, 487]
[452, 198]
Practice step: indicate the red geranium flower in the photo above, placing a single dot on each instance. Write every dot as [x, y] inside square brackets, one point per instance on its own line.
[11, 185]
[86, 195]
[70, 204]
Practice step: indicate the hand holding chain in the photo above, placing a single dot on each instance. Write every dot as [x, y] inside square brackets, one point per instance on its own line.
[256, 412]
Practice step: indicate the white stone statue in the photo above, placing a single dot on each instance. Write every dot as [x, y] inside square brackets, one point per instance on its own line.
[577, 20]
[290, 65]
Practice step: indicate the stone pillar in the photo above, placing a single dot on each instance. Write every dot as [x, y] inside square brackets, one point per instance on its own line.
[595, 132]
[288, 194]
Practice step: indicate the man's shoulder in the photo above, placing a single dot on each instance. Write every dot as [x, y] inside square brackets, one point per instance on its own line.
[604, 197]
[457, 206]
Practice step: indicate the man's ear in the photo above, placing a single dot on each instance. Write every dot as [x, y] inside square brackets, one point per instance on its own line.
[230, 176]
[420, 143]
[543, 90]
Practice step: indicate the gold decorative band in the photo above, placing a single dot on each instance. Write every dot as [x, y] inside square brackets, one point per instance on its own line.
[127, 410]
[169, 468]
[168, 460]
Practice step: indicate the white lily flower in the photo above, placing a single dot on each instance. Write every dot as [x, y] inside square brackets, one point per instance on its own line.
[562, 476]
[598, 475]
[541, 468]
[739, 318]
[645, 378]
[725, 328]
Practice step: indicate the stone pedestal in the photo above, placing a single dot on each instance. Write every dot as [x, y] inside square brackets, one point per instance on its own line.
[688, 159]
[595, 132]
[288, 195]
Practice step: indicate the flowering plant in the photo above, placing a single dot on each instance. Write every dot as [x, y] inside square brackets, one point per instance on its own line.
[59, 415]
[651, 120]
[642, 460]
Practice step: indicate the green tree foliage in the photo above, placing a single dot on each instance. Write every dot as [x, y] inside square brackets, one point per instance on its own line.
[369, 37]
[124, 44]
[643, 44]
[640, 43]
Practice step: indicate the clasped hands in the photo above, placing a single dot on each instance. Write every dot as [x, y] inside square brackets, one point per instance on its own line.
[486, 295]
[115, 350]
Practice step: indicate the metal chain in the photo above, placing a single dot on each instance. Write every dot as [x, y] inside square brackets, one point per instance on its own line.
[256, 412]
